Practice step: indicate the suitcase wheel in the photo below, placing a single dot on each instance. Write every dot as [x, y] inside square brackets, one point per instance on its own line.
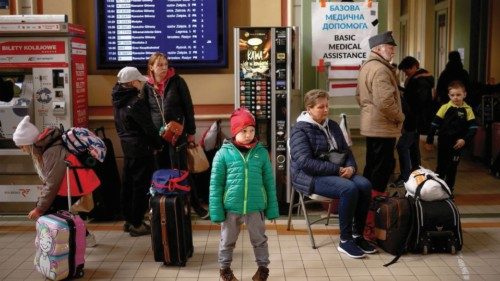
[453, 250]
[79, 273]
[425, 250]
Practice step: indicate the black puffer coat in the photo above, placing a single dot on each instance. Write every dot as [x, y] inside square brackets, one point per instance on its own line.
[418, 97]
[138, 135]
[177, 104]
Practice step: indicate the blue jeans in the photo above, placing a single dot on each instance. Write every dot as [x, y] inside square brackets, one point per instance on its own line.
[409, 154]
[354, 195]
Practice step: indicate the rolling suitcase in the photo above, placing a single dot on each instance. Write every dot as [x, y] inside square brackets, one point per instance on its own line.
[60, 246]
[171, 232]
[437, 226]
[106, 206]
[60, 243]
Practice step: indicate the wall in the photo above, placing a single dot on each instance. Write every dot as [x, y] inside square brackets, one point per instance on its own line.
[265, 12]
[460, 28]
[57, 7]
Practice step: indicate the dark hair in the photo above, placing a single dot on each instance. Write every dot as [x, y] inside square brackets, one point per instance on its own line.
[408, 62]
[455, 85]
[454, 56]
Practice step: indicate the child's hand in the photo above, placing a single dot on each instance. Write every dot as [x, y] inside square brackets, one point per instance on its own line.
[428, 146]
[459, 144]
[34, 214]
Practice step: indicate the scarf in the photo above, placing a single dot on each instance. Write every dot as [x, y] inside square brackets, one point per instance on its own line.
[159, 86]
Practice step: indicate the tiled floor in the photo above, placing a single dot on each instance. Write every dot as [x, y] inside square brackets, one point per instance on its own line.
[121, 257]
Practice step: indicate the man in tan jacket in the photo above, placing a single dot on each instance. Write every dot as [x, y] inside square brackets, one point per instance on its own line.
[381, 112]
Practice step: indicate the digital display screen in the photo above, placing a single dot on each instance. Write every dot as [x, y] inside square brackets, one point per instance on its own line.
[192, 33]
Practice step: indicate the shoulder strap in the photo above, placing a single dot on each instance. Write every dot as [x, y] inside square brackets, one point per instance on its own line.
[428, 177]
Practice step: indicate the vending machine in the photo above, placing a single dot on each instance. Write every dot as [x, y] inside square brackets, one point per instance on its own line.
[46, 58]
[264, 81]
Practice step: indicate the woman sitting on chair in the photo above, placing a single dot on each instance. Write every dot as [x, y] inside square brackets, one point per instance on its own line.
[323, 164]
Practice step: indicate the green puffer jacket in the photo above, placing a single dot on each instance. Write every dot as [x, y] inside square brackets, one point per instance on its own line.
[242, 184]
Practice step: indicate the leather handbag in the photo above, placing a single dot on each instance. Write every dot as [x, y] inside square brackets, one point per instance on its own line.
[84, 204]
[171, 132]
[197, 160]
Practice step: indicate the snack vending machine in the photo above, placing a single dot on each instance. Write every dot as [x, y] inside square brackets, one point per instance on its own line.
[46, 58]
[264, 80]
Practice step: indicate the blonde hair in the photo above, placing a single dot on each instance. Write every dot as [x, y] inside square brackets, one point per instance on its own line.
[37, 159]
[312, 97]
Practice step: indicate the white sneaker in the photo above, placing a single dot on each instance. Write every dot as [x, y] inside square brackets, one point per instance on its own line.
[90, 240]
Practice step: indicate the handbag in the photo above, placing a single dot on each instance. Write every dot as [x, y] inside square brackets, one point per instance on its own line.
[171, 131]
[337, 157]
[84, 204]
[196, 159]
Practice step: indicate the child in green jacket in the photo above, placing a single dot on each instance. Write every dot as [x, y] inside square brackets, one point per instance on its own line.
[242, 190]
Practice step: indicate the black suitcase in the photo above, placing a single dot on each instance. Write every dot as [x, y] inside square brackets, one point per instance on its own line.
[171, 233]
[106, 204]
[392, 223]
[437, 227]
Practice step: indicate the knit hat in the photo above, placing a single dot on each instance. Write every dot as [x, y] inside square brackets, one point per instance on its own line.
[26, 133]
[129, 74]
[240, 119]
[382, 38]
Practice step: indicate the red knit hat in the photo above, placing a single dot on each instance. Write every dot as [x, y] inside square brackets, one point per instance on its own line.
[240, 119]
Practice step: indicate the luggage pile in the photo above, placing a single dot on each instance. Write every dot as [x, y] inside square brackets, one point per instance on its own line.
[425, 221]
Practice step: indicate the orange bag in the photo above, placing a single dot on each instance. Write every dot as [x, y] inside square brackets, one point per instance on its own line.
[172, 131]
[82, 180]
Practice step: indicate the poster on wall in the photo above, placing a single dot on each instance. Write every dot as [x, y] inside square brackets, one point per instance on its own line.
[340, 31]
[255, 53]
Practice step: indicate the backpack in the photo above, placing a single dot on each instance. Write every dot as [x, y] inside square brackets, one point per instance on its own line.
[169, 181]
[81, 141]
[213, 137]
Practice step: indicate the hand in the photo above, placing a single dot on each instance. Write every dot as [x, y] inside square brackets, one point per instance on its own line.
[191, 140]
[34, 214]
[346, 172]
[459, 144]
[428, 146]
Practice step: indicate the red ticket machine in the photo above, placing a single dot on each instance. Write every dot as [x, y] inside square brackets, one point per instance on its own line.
[46, 57]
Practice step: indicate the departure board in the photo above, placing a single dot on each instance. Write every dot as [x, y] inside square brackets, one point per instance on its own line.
[192, 33]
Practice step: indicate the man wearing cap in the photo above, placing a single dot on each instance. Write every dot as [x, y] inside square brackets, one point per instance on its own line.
[139, 139]
[381, 111]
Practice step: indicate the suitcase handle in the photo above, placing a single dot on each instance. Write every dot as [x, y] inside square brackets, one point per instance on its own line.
[102, 130]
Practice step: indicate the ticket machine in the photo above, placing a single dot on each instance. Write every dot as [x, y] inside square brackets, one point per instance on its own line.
[46, 58]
